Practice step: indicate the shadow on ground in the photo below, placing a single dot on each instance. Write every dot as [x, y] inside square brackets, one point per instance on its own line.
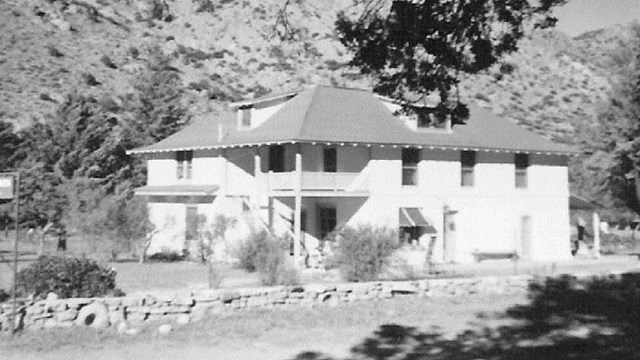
[566, 318]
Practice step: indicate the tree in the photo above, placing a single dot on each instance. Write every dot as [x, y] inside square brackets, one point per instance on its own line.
[417, 48]
[9, 143]
[617, 132]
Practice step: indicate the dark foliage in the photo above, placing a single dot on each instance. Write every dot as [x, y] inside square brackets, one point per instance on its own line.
[422, 47]
[67, 277]
[167, 256]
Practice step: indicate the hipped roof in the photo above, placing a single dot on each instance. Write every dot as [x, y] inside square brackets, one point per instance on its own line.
[352, 116]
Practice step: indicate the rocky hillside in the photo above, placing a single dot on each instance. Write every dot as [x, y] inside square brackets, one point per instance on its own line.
[227, 49]
[223, 49]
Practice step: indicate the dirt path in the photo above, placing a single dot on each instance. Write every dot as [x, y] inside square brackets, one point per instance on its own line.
[270, 334]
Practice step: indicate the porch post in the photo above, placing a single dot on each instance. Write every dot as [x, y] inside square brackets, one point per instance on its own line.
[297, 217]
[596, 235]
[225, 181]
[257, 175]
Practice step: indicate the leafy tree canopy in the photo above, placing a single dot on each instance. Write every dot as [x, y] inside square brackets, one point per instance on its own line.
[622, 119]
[416, 48]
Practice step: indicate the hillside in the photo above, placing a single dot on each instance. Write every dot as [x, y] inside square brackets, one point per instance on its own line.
[226, 50]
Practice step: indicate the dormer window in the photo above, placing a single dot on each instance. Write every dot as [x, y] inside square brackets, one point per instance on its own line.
[425, 119]
[244, 117]
[428, 119]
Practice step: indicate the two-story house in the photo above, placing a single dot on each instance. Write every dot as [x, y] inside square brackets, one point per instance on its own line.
[312, 161]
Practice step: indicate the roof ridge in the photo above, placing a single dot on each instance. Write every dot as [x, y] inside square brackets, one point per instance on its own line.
[314, 89]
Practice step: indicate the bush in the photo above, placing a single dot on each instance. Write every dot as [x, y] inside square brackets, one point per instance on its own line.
[4, 295]
[362, 252]
[267, 254]
[67, 277]
[167, 256]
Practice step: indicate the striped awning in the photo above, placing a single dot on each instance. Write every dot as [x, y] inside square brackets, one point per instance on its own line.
[412, 217]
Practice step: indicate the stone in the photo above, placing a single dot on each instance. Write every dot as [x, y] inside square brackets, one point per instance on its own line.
[94, 315]
[183, 319]
[149, 300]
[132, 332]
[136, 316]
[229, 296]
[67, 315]
[75, 303]
[116, 316]
[185, 301]
[122, 327]
[164, 329]
[52, 296]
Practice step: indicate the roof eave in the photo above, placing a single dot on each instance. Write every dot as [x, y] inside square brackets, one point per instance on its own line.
[567, 152]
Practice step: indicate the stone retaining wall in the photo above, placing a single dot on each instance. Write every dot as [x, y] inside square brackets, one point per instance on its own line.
[195, 306]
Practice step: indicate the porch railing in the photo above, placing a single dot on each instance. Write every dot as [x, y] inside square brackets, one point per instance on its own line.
[317, 181]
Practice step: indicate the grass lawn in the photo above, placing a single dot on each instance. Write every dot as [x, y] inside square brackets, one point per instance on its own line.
[266, 334]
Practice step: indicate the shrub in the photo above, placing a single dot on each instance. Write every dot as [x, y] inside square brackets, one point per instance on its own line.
[108, 62]
[167, 256]
[267, 254]
[67, 277]
[4, 295]
[362, 252]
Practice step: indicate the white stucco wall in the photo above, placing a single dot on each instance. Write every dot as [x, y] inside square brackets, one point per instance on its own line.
[489, 213]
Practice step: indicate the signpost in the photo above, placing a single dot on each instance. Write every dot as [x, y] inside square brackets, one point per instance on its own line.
[10, 190]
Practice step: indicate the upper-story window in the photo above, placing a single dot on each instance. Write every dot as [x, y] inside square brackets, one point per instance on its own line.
[522, 164]
[276, 158]
[330, 156]
[244, 116]
[410, 159]
[184, 161]
[468, 162]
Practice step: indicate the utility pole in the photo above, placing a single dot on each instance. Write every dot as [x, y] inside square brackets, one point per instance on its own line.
[10, 190]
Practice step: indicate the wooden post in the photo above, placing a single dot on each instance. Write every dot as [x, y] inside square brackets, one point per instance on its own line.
[225, 180]
[257, 175]
[297, 217]
[15, 256]
[596, 235]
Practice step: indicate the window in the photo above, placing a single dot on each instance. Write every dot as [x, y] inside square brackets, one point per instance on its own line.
[330, 159]
[191, 223]
[426, 119]
[468, 162]
[184, 161]
[328, 221]
[410, 158]
[276, 158]
[522, 163]
[245, 116]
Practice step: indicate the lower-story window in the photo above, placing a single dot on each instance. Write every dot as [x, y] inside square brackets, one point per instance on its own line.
[191, 223]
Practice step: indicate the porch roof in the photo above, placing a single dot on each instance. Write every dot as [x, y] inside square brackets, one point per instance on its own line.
[326, 114]
[181, 189]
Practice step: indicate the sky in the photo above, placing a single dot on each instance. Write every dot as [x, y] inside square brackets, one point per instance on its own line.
[579, 16]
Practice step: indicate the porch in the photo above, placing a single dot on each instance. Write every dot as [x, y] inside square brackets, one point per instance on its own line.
[353, 183]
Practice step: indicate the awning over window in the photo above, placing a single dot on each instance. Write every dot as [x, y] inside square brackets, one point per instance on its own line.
[411, 217]
[182, 189]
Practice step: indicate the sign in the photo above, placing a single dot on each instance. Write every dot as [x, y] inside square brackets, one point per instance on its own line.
[6, 188]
